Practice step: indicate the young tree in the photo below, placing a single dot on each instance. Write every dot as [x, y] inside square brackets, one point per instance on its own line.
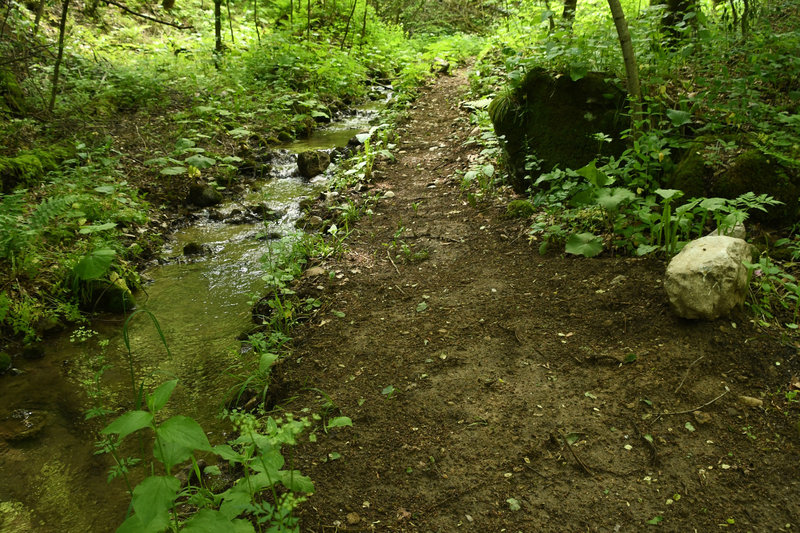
[631, 68]
[62, 30]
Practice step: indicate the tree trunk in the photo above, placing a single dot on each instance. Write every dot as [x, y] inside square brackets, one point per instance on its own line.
[62, 30]
[347, 28]
[255, 20]
[217, 32]
[364, 25]
[39, 11]
[230, 19]
[568, 16]
[631, 68]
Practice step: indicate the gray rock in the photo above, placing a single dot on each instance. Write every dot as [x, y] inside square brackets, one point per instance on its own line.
[707, 278]
[204, 195]
[440, 66]
[313, 163]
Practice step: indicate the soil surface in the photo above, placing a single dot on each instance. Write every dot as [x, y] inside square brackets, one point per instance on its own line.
[493, 389]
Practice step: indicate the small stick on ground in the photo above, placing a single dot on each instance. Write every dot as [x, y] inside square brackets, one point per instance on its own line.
[686, 375]
[574, 455]
[727, 390]
[392, 261]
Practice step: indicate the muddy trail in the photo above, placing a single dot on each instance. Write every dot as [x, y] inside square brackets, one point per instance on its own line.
[494, 389]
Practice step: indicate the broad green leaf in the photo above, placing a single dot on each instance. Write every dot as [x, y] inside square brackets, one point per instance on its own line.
[296, 482]
[712, 204]
[173, 171]
[645, 249]
[610, 199]
[128, 423]
[319, 114]
[152, 500]
[105, 189]
[160, 396]
[669, 194]
[183, 144]
[585, 244]
[362, 137]
[422, 306]
[200, 161]
[94, 229]
[213, 521]
[95, 264]
[177, 438]
[230, 159]
[593, 175]
[340, 421]
[679, 118]
[269, 460]
[513, 504]
[228, 453]
[266, 361]
[577, 72]
[240, 132]
[488, 170]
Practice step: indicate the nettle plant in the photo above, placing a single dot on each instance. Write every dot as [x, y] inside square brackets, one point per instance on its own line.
[189, 159]
[587, 202]
[266, 493]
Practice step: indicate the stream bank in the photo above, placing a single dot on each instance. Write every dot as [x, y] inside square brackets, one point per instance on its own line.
[202, 302]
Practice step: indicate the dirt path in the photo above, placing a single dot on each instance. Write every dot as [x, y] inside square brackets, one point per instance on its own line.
[498, 358]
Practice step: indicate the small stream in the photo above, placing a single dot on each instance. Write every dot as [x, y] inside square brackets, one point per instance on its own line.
[51, 479]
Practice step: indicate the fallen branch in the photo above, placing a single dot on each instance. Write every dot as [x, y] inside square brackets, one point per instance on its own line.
[727, 390]
[686, 375]
[575, 456]
[392, 260]
[147, 17]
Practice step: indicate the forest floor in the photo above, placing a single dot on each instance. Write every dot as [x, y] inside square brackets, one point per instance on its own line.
[493, 389]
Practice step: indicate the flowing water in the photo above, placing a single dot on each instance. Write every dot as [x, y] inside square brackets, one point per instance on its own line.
[50, 480]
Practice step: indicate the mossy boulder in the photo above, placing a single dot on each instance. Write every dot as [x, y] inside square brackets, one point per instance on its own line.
[553, 120]
[519, 209]
[203, 195]
[747, 171]
[13, 98]
[5, 362]
[29, 166]
[756, 172]
[110, 295]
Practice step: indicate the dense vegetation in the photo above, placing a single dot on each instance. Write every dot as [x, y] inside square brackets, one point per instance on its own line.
[111, 112]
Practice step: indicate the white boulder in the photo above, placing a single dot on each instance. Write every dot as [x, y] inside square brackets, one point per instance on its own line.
[707, 278]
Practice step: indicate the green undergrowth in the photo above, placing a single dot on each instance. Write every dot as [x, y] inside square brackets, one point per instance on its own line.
[143, 111]
[64, 242]
[718, 142]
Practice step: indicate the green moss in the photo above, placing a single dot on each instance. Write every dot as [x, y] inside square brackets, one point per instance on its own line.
[29, 166]
[519, 209]
[554, 119]
[752, 171]
[691, 175]
[5, 362]
[11, 92]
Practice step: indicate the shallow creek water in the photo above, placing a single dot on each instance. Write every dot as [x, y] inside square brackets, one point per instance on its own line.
[52, 481]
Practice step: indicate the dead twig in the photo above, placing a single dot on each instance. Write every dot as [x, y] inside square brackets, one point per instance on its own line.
[727, 390]
[392, 261]
[147, 17]
[575, 456]
[686, 375]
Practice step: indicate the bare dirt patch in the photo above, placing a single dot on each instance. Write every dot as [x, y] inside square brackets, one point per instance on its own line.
[493, 389]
